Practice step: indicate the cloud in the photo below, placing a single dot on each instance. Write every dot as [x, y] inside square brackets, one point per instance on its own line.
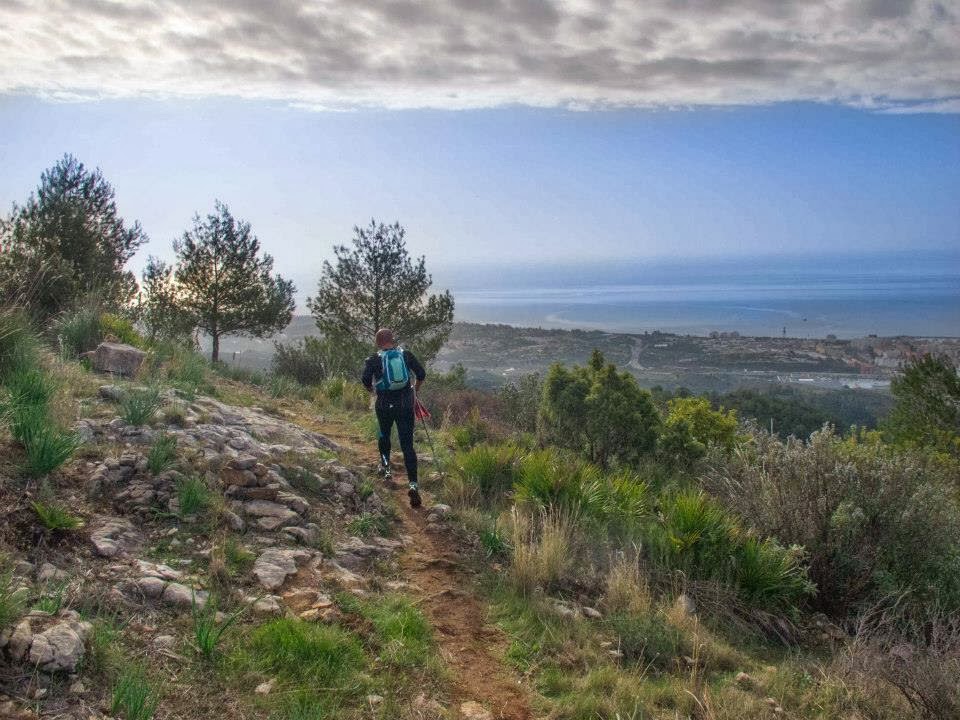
[891, 55]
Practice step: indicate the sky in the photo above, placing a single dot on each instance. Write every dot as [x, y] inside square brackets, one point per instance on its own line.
[501, 131]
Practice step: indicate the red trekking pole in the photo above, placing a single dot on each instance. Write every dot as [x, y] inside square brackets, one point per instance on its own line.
[421, 413]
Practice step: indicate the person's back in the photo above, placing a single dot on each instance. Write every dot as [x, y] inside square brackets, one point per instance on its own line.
[388, 374]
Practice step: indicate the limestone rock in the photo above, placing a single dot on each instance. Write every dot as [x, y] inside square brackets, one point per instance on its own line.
[471, 710]
[113, 536]
[116, 358]
[275, 564]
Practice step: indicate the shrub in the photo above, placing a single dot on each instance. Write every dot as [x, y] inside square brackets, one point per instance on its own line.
[193, 496]
[319, 654]
[78, 331]
[140, 405]
[769, 575]
[29, 388]
[133, 695]
[47, 447]
[186, 370]
[112, 325]
[312, 360]
[55, 517]
[492, 469]
[647, 639]
[599, 412]
[699, 535]
[520, 401]
[281, 386]
[548, 478]
[627, 590]
[18, 342]
[473, 430]
[162, 453]
[706, 425]
[873, 521]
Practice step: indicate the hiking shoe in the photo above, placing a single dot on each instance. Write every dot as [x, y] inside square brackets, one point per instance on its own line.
[414, 494]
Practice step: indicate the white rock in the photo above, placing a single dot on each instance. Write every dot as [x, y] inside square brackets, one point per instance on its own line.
[274, 565]
[471, 710]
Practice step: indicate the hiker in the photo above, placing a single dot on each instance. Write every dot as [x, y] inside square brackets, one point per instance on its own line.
[391, 367]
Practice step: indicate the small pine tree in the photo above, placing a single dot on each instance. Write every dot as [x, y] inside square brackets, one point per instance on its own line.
[927, 409]
[225, 284]
[375, 284]
[599, 412]
[67, 243]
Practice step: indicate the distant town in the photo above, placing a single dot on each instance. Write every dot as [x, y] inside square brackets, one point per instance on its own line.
[495, 354]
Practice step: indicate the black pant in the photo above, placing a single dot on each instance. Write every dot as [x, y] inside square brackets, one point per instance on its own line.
[397, 408]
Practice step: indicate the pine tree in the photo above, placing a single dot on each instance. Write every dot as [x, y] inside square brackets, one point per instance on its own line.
[225, 284]
[376, 284]
[161, 311]
[67, 243]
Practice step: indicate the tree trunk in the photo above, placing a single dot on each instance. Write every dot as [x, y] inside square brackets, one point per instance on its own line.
[215, 354]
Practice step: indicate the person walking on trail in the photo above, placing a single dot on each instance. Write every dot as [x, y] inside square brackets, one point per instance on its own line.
[388, 374]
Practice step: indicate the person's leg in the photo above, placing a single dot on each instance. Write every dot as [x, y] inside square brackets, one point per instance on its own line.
[385, 423]
[405, 424]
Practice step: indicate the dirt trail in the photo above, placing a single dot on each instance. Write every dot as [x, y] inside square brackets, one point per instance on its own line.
[443, 587]
[471, 648]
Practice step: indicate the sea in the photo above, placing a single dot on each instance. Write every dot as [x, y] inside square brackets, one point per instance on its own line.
[843, 295]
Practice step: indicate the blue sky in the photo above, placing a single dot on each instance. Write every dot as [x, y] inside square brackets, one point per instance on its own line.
[501, 132]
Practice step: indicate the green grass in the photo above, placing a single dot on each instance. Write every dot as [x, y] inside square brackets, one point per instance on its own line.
[492, 469]
[18, 342]
[322, 655]
[103, 654]
[45, 445]
[52, 598]
[647, 639]
[55, 517]
[78, 331]
[194, 496]
[207, 632]
[139, 406]
[401, 633]
[494, 541]
[365, 525]
[162, 453]
[133, 695]
[238, 559]
[13, 598]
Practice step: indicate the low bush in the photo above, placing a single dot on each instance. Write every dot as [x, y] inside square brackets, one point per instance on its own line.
[133, 695]
[492, 469]
[282, 386]
[46, 446]
[78, 331]
[139, 406]
[193, 496]
[551, 478]
[873, 521]
[55, 517]
[162, 453]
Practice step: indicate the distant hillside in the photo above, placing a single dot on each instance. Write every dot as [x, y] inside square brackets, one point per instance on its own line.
[493, 354]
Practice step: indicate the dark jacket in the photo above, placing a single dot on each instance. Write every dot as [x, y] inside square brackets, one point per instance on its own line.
[373, 371]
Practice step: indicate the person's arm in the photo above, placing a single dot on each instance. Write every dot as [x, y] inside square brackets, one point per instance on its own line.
[418, 372]
[367, 377]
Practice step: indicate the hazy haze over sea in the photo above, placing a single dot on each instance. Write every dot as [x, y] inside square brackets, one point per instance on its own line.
[914, 293]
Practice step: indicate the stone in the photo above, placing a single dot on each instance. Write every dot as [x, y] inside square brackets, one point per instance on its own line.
[114, 536]
[441, 510]
[294, 502]
[111, 393]
[243, 462]
[374, 700]
[78, 688]
[240, 478]
[265, 688]
[267, 605]
[265, 508]
[686, 605]
[18, 645]
[274, 565]
[151, 587]
[50, 573]
[182, 596]
[60, 647]
[744, 680]
[471, 710]
[116, 358]
[345, 489]
[234, 521]
[164, 641]
[592, 613]
[302, 535]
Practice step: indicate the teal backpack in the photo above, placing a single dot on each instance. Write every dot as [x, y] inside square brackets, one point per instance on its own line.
[395, 373]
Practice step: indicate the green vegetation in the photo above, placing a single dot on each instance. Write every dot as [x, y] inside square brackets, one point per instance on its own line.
[162, 453]
[375, 284]
[365, 525]
[133, 694]
[193, 496]
[52, 599]
[927, 410]
[13, 597]
[67, 243]
[598, 411]
[139, 406]
[225, 284]
[207, 631]
[54, 516]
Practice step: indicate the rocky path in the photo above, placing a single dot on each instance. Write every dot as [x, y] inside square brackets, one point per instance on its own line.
[483, 685]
